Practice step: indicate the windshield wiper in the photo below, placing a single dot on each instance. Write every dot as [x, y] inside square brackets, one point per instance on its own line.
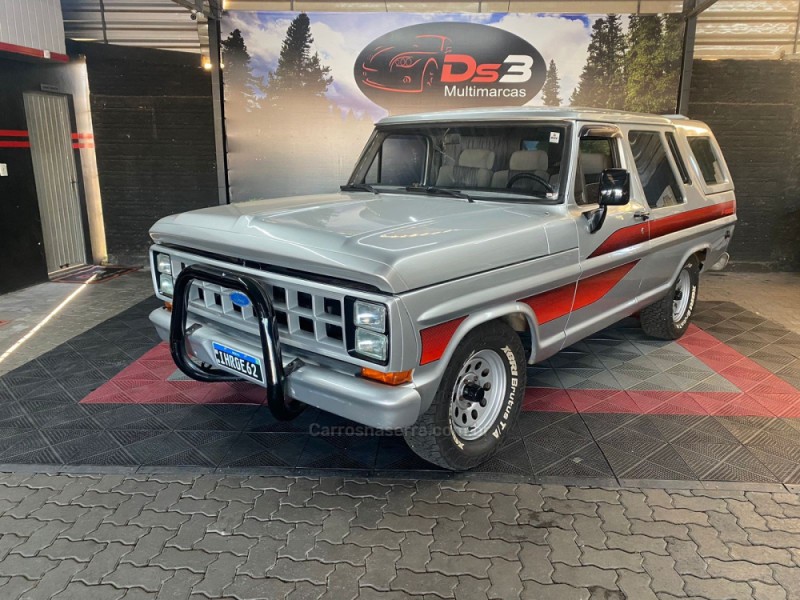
[358, 187]
[430, 189]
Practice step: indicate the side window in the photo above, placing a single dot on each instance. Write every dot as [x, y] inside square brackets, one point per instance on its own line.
[400, 161]
[676, 156]
[707, 160]
[595, 155]
[658, 179]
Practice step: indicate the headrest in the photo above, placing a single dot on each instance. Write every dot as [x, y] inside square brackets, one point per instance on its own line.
[476, 158]
[594, 162]
[528, 160]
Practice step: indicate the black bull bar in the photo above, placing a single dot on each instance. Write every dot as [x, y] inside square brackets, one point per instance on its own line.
[280, 406]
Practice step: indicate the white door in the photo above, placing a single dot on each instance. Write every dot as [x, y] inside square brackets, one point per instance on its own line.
[56, 180]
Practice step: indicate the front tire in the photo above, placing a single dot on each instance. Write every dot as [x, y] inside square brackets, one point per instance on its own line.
[669, 318]
[477, 403]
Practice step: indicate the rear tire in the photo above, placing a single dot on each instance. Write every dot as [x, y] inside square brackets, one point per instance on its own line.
[669, 318]
[477, 403]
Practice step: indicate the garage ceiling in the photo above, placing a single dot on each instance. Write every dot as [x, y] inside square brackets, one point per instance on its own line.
[742, 29]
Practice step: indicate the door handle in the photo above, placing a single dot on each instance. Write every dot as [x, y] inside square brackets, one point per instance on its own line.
[640, 214]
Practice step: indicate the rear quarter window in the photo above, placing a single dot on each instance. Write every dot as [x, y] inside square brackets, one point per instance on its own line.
[707, 160]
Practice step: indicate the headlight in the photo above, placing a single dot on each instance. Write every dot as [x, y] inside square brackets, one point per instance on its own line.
[165, 285]
[371, 344]
[371, 316]
[164, 264]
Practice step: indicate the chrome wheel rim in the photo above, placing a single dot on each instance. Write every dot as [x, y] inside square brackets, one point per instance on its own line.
[478, 394]
[683, 292]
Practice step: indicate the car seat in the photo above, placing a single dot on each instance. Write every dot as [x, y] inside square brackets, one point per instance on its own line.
[472, 170]
[523, 161]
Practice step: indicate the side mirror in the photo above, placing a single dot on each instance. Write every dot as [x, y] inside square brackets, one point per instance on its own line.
[615, 187]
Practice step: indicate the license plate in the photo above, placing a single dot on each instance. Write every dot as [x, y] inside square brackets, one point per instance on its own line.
[242, 363]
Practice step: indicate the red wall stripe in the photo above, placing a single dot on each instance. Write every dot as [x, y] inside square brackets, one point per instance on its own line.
[635, 234]
[435, 340]
[9, 144]
[25, 51]
[13, 133]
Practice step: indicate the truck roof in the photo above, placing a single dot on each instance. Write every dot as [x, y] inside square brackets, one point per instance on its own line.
[514, 113]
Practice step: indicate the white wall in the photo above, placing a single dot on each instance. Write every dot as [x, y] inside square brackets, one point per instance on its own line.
[32, 24]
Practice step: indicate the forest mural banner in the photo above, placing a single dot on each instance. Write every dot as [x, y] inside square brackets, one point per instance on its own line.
[303, 90]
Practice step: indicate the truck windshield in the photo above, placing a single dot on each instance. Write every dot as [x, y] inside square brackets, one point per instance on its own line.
[481, 162]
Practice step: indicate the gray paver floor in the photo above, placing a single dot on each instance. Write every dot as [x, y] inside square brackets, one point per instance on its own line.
[180, 536]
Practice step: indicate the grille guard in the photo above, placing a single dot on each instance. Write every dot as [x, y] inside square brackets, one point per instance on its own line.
[267, 328]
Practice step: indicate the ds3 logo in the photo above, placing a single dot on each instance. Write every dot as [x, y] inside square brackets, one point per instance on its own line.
[446, 65]
[519, 69]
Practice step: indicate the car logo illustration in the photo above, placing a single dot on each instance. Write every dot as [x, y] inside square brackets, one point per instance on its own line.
[239, 299]
[410, 71]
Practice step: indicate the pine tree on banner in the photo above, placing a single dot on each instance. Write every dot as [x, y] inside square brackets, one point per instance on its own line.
[240, 85]
[671, 56]
[552, 86]
[602, 82]
[299, 74]
[645, 67]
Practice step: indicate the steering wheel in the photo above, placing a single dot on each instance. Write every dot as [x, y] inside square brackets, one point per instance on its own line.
[514, 178]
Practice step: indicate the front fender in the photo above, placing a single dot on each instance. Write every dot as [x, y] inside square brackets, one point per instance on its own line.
[427, 377]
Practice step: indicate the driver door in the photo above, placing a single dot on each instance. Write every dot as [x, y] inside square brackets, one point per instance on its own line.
[609, 256]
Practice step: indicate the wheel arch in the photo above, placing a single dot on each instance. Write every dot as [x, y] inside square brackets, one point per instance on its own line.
[519, 316]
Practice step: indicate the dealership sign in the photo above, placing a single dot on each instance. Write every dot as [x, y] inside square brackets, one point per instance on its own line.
[457, 64]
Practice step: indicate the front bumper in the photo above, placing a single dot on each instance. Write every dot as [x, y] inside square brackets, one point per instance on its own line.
[361, 400]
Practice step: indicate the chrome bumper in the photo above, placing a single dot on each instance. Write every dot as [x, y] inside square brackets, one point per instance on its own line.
[361, 400]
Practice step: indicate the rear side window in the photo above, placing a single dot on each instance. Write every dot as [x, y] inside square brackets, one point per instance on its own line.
[660, 185]
[676, 156]
[706, 159]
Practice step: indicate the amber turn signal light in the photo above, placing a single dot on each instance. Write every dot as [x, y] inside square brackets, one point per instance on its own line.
[168, 306]
[387, 378]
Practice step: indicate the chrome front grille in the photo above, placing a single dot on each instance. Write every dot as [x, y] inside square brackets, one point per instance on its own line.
[307, 318]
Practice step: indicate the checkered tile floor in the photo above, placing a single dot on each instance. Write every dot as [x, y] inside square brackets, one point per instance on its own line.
[722, 404]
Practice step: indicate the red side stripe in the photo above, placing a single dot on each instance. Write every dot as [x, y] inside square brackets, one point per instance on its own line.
[435, 340]
[14, 144]
[25, 51]
[552, 304]
[82, 136]
[679, 221]
[623, 238]
[636, 234]
[78, 146]
[559, 302]
[13, 133]
[591, 289]
[547, 306]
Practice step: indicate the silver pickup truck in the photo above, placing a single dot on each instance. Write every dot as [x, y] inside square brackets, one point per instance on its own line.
[466, 245]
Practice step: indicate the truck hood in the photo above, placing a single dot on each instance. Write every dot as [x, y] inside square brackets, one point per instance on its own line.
[395, 242]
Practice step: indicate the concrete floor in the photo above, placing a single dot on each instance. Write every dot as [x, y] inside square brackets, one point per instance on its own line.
[774, 296]
[84, 306]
